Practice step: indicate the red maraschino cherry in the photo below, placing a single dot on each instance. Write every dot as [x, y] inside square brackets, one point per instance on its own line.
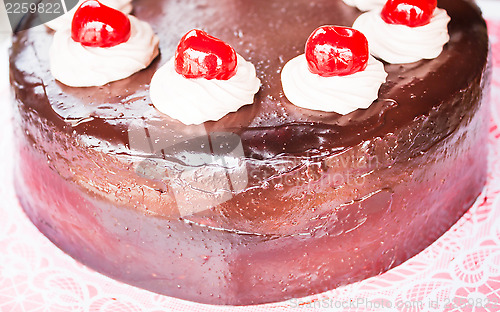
[336, 51]
[412, 13]
[97, 25]
[200, 55]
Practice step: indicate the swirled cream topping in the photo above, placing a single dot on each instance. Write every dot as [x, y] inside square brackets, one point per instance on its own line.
[78, 66]
[339, 94]
[64, 21]
[366, 5]
[398, 44]
[196, 100]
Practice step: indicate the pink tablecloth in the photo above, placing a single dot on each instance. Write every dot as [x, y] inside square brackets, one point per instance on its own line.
[459, 272]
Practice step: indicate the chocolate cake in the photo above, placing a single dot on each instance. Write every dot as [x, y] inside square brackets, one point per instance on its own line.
[271, 202]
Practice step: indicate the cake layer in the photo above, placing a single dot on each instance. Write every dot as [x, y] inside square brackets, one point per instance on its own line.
[271, 202]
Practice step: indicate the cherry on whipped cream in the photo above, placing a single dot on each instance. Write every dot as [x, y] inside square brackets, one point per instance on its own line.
[97, 25]
[336, 51]
[200, 55]
[412, 13]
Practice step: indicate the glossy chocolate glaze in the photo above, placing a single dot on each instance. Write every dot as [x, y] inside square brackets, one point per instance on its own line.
[267, 33]
[328, 199]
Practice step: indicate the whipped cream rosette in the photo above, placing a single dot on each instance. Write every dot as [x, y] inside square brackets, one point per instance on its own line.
[205, 80]
[405, 31]
[336, 74]
[102, 46]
